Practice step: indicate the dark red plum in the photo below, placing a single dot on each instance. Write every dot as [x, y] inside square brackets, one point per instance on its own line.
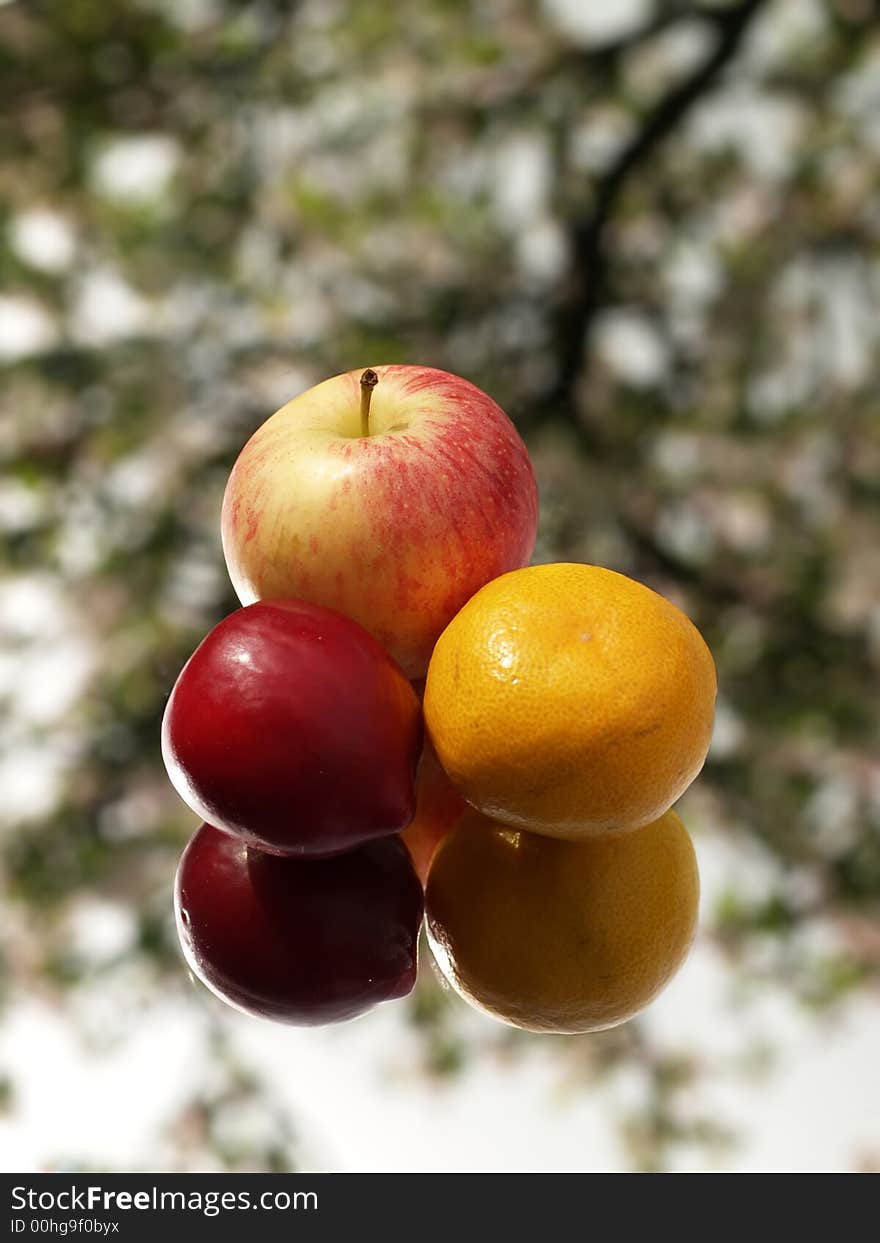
[291, 727]
[305, 941]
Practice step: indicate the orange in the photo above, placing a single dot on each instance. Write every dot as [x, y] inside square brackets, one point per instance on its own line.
[560, 936]
[438, 806]
[570, 700]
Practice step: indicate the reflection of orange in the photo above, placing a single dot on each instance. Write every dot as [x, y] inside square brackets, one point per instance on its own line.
[438, 806]
[561, 936]
[570, 700]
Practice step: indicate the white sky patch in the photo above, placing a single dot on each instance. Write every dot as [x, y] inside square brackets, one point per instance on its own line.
[786, 27]
[46, 681]
[257, 254]
[100, 930]
[82, 540]
[542, 251]
[744, 522]
[136, 169]
[141, 478]
[692, 274]
[819, 1110]
[734, 862]
[358, 1105]
[72, 1110]
[21, 507]
[598, 137]
[25, 328]
[30, 778]
[191, 581]
[728, 733]
[676, 454]
[857, 96]
[683, 530]
[107, 308]
[598, 21]
[831, 814]
[829, 307]
[670, 56]
[308, 312]
[521, 180]
[763, 129]
[32, 606]
[280, 136]
[187, 14]
[850, 324]
[42, 238]
[629, 344]
[464, 174]
[44, 665]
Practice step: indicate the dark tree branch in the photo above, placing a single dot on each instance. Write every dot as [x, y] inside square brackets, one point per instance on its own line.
[589, 252]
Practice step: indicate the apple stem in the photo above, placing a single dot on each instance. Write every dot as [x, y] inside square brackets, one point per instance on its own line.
[369, 380]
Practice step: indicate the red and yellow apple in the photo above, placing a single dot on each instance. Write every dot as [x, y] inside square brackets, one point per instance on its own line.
[392, 501]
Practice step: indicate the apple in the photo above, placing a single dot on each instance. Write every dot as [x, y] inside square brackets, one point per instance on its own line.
[438, 806]
[391, 495]
[303, 941]
[291, 727]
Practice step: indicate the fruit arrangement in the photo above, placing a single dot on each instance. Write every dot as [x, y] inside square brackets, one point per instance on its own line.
[406, 721]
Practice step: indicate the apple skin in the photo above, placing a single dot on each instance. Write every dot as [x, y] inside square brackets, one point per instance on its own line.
[292, 728]
[304, 941]
[397, 529]
[438, 806]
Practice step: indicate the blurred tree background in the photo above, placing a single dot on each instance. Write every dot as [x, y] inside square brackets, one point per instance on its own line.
[651, 231]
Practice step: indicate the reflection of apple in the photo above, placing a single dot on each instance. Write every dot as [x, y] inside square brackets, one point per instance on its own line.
[299, 940]
[291, 727]
[396, 528]
[438, 806]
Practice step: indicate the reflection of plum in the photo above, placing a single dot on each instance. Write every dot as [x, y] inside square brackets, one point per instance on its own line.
[299, 941]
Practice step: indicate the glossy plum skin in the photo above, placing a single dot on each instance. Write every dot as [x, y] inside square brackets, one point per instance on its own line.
[292, 728]
[303, 941]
